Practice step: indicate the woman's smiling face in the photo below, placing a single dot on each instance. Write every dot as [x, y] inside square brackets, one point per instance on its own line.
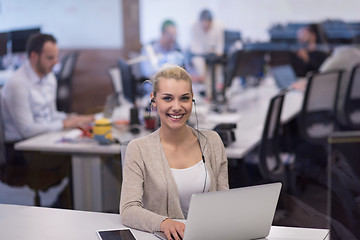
[173, 101]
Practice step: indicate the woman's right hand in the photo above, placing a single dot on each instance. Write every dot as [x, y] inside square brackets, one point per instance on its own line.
[173, 230]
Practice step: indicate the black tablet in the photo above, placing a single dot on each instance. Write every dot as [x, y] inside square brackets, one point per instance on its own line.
[116, 234]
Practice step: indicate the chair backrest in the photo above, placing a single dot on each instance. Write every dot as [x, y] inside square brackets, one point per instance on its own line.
[270, 164]
[230, 37]
[64, 80]
[2, 135]
[352, 99]
[318, 114]
[68, 63]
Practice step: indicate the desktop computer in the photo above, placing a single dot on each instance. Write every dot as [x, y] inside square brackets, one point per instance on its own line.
[19, 38]
[3, 48]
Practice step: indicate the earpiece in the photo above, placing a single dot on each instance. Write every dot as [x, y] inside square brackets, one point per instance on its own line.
[152, 100]
[201, 150]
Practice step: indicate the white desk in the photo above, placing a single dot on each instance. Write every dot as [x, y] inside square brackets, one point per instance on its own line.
[23, 222]
[251, 105]
[88, 190]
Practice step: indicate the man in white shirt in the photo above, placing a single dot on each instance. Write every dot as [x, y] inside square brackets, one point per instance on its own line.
[29, 96]
[207, 37]
[161, 51]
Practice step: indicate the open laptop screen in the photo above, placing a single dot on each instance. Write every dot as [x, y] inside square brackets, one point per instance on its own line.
[284, 76]
[241, 213]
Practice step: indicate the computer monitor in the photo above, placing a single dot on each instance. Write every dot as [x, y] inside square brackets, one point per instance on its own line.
[127, 80]
[19, 38]
[243, 64]
[3, 43]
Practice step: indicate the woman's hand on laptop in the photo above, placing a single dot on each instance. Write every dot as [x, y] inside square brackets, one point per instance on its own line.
[173, 229]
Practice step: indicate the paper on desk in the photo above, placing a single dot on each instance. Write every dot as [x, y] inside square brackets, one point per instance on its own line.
[223, 117]
[72, 134]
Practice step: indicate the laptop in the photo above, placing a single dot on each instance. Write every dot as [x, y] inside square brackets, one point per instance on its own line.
[236, 214]
[284, 76]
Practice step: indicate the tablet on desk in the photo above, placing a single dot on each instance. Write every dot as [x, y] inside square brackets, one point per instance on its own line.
[160, 235]
[116, 234]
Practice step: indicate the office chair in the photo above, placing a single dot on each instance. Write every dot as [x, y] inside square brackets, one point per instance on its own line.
[316, 121]
[318, 114]
[64, 79]
[230, 37]
[2, 136]
[273, 164]
[352, 100]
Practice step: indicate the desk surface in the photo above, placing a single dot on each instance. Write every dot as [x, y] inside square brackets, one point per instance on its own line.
[23, 222]
[54, 142]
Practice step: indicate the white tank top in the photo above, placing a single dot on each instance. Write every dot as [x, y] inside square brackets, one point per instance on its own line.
[189, 181]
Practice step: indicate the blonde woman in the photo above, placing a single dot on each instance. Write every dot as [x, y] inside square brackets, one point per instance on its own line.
[162, 170]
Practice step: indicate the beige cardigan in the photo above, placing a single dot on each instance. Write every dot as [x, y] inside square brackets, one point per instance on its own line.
[149, 193]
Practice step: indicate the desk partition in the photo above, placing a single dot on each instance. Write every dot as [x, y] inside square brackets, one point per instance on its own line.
[344, 182]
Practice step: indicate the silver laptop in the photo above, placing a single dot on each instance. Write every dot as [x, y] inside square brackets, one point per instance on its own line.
[236, 214]
[284, 76]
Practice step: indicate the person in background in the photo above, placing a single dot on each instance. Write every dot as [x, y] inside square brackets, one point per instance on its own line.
[207, 40]
[345, 58]
[29, 96]
[309, 57]
[163, 169]
[164, 50]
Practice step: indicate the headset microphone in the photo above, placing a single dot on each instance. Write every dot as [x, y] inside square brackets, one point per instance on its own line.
[198, 138]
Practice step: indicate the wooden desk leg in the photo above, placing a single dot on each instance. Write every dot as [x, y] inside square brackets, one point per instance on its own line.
[87, 189]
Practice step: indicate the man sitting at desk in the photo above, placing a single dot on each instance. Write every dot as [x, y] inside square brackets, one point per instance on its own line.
[164, 50]
[207, 43]
[309, 57]
[29, 96]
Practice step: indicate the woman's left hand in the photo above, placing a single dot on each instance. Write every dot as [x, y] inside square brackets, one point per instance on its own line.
[173, 229]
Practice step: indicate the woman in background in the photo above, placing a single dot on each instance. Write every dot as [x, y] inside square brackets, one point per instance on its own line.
[163, 169]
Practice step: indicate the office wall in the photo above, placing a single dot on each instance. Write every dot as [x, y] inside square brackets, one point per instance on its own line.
[252, 17]
[76, 24]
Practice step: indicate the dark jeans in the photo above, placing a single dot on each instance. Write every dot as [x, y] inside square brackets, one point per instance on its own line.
[13, 156]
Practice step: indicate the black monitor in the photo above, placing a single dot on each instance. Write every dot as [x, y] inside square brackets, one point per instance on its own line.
[244, 63]
[19, 38]
[128, 81]
[3, 43]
